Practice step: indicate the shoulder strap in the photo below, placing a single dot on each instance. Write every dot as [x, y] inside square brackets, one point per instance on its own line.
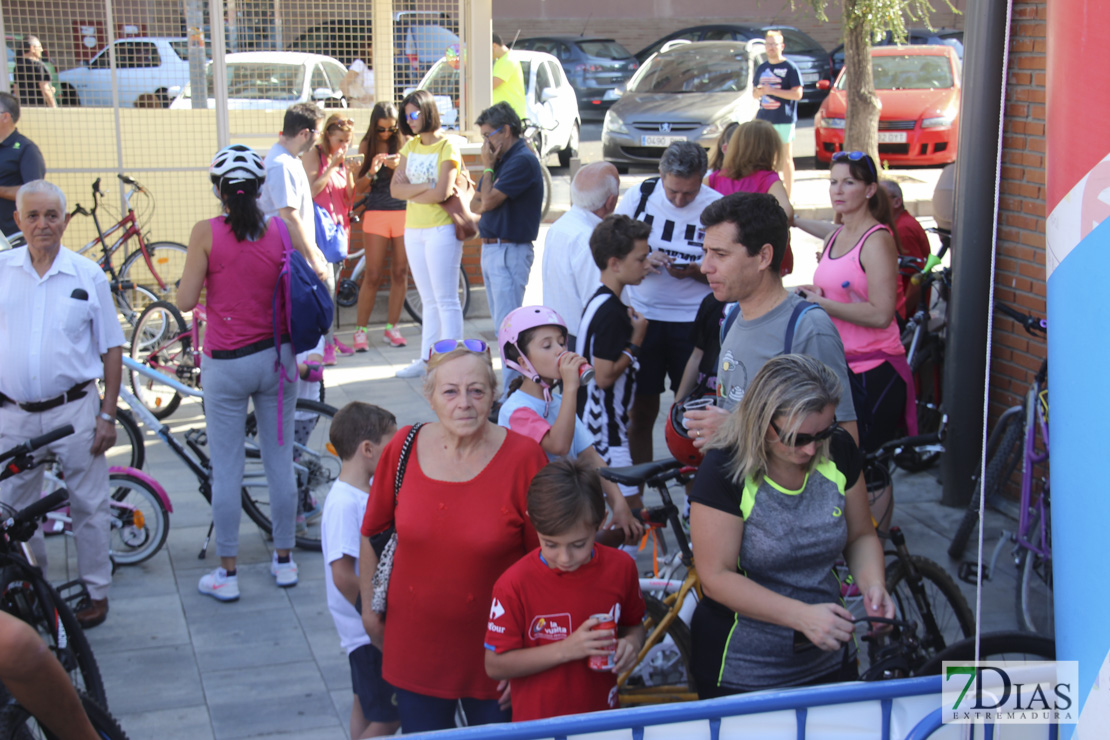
[795, 318]
[403, 460]
[732, 310]
[829, 242]
[647, 187]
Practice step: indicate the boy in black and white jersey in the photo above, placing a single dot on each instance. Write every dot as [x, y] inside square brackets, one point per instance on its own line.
[610, 335]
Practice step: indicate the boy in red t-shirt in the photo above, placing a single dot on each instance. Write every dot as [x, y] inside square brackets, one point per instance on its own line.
[540, 634]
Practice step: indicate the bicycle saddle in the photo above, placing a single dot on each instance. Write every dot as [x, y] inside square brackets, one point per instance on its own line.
[634, 475]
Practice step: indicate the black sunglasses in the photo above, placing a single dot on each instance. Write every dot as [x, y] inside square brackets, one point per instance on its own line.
[391, 129]
[801, 440]
[855, 157]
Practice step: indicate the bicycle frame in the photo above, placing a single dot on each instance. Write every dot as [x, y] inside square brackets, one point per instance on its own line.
[1034, 421]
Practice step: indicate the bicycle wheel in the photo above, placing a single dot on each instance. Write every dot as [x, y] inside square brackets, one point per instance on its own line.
[316, 467]
[547, 188]
[943, 601]
[131, 300]
[993, 646]
[161, 275]
[129, 451]
[140, 521]
[16, 723]
[1033, 598]
[667, 663]
[27, 595]
[1003, 460]
[414, 307]
[161, 341]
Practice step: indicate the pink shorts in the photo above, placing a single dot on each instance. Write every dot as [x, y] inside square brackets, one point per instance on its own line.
[388, 224]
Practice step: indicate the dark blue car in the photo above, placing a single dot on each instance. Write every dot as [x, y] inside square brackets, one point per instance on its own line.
[595, 66]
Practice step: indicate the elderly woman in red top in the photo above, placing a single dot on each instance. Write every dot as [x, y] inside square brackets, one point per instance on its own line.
[460, 519]
[333, 184]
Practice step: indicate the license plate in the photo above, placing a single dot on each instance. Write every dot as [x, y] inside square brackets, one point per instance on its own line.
[810, 78]
[892, 137]
[660, 140]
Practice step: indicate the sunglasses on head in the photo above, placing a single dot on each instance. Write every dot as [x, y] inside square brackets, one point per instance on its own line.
[444, 346]
[343, 124]
[801, 440]
[855, 157]
[390, 130]
[414, 116]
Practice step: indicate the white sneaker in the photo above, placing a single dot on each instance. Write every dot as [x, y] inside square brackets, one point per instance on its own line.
[415, 370]
[285, 573]
[219, 585]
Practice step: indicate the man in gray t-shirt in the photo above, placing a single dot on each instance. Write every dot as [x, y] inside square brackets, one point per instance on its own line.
[745, 240]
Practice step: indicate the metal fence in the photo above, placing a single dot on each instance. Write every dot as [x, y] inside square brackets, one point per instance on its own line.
[145, 89]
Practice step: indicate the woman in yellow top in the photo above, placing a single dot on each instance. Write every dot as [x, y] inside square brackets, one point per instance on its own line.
[425, 177]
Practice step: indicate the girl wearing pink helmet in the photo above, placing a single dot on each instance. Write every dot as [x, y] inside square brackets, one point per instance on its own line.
[533, 341]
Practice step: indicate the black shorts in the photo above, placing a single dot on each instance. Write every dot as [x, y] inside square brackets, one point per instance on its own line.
[879, 396]
[377, 698]
[664, 353]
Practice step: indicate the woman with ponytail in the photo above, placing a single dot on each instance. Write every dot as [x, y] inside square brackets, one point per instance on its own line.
[237, 257]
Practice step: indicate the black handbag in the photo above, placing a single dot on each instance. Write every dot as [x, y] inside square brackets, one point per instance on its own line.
[385, 543]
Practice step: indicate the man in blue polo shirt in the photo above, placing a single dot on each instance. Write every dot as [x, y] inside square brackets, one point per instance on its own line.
[510, 199]
[20, 161]
[779, 88]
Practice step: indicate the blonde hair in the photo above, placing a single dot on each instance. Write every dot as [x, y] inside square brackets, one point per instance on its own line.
[335, 122]
[755, 147]
[788, 386]
[439, 360]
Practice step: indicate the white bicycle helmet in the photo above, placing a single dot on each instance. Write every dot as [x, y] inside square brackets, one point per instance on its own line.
[236, 163]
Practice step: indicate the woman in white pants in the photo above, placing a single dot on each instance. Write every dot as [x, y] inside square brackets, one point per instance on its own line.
[425, 177]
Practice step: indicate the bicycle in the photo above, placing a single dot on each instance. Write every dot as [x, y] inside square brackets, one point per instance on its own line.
[24, 591]
[16, 723]
[347, 290]
[147, 274]
[315, 465]
[164, 341]
[1020, 436]
[533, 135]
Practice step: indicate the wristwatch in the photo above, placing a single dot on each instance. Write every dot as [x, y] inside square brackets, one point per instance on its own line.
[106, 417]
[633, 348]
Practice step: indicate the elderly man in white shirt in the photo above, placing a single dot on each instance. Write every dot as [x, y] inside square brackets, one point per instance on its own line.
[60, 333]
[570, 275]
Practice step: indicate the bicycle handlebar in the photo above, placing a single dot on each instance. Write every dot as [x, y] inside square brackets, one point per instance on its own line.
[35, 443]
[40, 508]
[1032, 324]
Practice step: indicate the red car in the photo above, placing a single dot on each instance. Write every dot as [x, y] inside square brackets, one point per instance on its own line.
[919, 91]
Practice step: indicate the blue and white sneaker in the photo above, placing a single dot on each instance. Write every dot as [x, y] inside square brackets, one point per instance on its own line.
[219, 585]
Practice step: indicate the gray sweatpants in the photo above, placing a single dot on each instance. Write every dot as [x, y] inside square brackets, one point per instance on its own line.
[228, 385]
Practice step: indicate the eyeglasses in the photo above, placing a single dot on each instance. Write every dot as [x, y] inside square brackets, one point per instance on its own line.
[491, 133]
[414, 116]
[390, 130]
[444, 346]
[801, 440]
[855, 157]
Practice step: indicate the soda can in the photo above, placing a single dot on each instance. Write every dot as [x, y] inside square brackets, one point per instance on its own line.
[604, 662]
[585, 370]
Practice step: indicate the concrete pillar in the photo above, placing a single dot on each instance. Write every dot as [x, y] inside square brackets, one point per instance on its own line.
[476, 25]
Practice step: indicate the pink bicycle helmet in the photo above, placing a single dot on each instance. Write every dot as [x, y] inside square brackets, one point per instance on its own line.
[517, 322]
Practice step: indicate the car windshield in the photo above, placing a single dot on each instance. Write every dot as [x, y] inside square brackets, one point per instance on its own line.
[443, 80]
[799, 43]
[607, 49]
[261, 81]
[693, 70]
[909, 72]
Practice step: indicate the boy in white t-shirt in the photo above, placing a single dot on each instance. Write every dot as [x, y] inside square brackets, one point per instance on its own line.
[359, 431]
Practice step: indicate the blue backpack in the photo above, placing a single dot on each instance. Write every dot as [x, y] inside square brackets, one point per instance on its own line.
[330, 238]
[308, 307]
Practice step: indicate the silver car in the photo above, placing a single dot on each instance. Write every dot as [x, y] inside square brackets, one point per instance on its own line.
[688, 92]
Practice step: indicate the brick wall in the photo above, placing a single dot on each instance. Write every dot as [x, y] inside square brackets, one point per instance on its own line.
[1020, 268]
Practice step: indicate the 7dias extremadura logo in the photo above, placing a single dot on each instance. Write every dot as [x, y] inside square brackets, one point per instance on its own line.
[1010, 692]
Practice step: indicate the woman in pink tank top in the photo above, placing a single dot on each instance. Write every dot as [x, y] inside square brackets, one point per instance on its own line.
[237, 258]
[750, 164]
[333, 187]
[856, 282]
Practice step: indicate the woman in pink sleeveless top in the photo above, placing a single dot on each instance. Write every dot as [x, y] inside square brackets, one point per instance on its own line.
[856, 282]
[237, 257]
[333, 186]
[750, 165]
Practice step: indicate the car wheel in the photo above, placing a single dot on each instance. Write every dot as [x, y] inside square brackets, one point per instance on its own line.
[571, 150]
[67, 96]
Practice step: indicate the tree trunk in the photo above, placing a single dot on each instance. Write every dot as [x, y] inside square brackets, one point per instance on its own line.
[862, 125]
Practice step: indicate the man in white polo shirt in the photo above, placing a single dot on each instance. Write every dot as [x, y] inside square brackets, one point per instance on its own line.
[60, 334]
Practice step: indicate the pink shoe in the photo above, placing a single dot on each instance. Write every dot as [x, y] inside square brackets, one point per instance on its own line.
[343, 349]
[394, 338]
[329, 354]
[359, 341]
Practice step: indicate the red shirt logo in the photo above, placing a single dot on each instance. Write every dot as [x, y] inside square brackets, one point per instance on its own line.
[553, 627]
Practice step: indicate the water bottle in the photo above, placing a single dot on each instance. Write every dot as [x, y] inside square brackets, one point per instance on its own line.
[585, 370]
